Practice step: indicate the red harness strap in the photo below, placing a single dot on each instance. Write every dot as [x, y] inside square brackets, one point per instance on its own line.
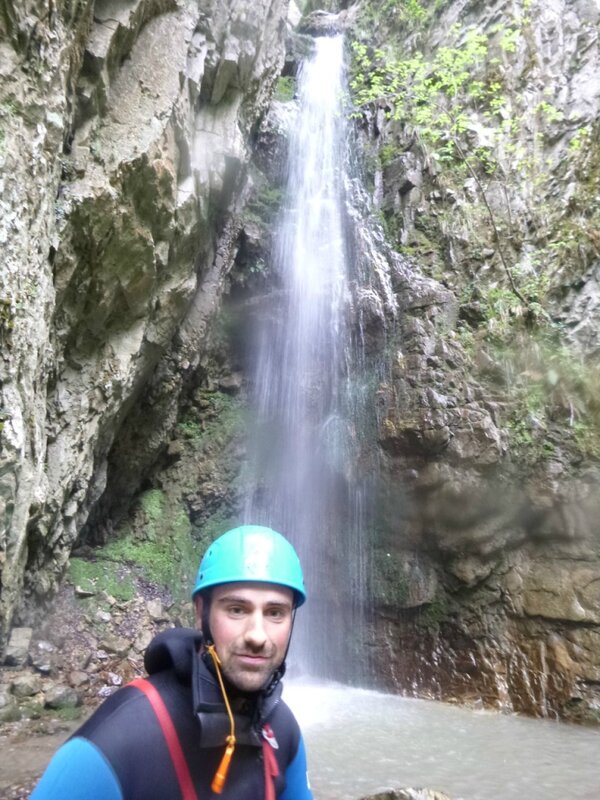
[270, 762]
[166, 723]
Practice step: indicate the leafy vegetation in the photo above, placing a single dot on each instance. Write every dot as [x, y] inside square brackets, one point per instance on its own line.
[285, 89]
[491, 223]
[460, 109]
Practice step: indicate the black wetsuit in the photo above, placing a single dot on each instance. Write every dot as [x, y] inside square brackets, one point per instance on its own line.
[121, 753]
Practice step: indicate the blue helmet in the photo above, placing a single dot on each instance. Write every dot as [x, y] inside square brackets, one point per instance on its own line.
[251, 553]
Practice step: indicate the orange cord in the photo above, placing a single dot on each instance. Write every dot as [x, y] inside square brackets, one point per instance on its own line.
[218, 782]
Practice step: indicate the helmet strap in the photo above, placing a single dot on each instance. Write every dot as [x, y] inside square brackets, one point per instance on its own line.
[206, 599]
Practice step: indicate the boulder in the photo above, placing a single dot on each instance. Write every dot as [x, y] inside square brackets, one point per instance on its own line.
[18, 647]
[26, 685]
[60, 696]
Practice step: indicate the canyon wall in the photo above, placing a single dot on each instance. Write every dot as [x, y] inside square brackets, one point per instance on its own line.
[126, 134]
[479, 124]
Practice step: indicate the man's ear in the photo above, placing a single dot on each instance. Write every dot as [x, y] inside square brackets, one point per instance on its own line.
[199, 603]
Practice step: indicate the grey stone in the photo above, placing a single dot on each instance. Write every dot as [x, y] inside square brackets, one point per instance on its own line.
[155, 609]
[8, 705]
[26, 685]
[78, 678]
[61, 696]
[116, 644]
[18, 647]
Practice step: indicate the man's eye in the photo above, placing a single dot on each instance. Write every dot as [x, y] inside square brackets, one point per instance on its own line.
[276, 613]
[236, 610]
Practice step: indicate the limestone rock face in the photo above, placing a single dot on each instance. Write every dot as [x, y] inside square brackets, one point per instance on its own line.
[125, 138]
[490, 493]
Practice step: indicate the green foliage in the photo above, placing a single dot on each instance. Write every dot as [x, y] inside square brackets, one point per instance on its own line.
[264, 203]
[421, 92]
[223, 419]
[550, 387]
[166, 554]
[580, 139]
[213, 425]
[285, 89]
[190, 428]
[469, 124]
[387, 153]
[396, 15]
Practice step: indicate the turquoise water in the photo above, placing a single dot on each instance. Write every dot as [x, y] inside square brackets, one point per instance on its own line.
[360, 742]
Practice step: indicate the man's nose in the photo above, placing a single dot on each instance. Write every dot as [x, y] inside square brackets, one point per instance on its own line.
[255, 633]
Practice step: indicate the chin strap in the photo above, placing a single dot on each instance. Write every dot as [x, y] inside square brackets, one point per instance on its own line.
[218, 782]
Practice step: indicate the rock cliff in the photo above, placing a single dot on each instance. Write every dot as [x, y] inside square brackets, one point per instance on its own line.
[480, 129]
[126, 128]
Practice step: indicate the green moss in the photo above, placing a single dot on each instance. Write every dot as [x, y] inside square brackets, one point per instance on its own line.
[265, 202]
[168, 556]
[218, 523]
[434, 613]
[101, 576]
[221, 417]
[153, 505]
[389, 583]
[189, 428]
[285, 89]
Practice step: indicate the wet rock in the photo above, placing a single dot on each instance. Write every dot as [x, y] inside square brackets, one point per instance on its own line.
[231, 383]
[139, 155]
[321, 23]
[42, 656]
[563, 591]
[81, 591]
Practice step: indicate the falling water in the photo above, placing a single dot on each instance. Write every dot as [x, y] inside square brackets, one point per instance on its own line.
[307, 443]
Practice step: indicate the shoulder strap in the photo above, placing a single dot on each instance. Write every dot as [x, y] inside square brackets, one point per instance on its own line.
[182, 771]
[270, 761]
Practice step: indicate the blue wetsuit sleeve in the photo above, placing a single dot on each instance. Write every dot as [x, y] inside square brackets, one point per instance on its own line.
[297, 786]
[78, 771]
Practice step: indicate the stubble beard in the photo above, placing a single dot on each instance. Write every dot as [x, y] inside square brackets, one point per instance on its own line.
[248, 678]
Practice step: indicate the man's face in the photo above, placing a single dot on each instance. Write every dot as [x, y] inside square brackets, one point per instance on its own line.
[250, 625]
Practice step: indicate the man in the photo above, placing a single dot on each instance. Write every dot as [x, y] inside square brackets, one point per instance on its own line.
[209, 720]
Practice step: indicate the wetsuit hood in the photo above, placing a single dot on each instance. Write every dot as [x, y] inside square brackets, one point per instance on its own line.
[174, 649]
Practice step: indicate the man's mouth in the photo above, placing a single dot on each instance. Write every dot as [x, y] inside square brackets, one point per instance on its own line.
[253, 659]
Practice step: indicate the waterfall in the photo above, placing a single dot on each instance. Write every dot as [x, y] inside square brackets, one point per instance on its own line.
[307, 482]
